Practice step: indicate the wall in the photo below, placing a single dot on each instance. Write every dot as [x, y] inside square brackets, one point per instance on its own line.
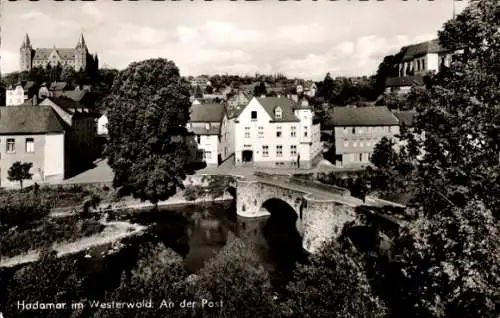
[227, 138]
[209, 144]
[324, 220]
[54, 157]
[7, 159]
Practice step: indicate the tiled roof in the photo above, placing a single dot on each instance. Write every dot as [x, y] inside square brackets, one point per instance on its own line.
[415, 50]
[406, 117]
[404, 81]
[362, 116]
[287, 106]
[65, 54]
[207, 113]
[29, 119]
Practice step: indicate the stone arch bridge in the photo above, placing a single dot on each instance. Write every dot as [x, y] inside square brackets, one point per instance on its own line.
[322, 210]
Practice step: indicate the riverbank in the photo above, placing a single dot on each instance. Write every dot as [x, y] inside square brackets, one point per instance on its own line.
[114, 231]
[130, 203]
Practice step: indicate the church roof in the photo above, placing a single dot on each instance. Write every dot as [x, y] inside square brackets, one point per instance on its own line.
[44, 53]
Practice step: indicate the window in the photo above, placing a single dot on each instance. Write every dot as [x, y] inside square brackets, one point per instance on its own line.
[279, 151]
[278, 112]
[423, 65]
[355, 143]
[278, 131]
[265, 151]
[361, 157]
[345, 130]
[346, 143]
[207, 155]
[247, 132]
[30, 145]
[11, 145]
[353, 130]
[293, 131]
[253, 115]
[305, 131]
[198, 139]
[293, 150]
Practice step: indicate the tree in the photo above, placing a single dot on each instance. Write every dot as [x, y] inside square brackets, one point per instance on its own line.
[209, 89]
[49, 280]
[198, 93]
[148, 147]
[447, 265]
[159, 275]
[260, 90]
[332, 285]
[20, 171]
[236, 277]
[68, 75]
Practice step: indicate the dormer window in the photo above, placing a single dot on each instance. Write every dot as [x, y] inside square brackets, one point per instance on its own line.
[278, 112]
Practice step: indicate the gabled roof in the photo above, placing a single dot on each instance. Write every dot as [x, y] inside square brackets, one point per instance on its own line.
[404, 81]
[287, 106]
[29, 119]
[44, 53]
[406, 117]
[207, 113]
[423, 48]
[362, 116]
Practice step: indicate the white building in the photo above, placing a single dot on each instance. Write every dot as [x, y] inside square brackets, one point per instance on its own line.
[274, 132]
[205, 123]
[18, 94]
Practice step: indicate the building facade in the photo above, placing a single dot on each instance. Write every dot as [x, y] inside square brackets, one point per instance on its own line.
[357, 130]
[205, 123]
[276, 132]
[77, 58]
[32, 135]
[81, 133]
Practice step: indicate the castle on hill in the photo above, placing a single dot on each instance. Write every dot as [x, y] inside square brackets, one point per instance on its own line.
[77, 58]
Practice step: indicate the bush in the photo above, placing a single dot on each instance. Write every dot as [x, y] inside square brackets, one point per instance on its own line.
[17, 209]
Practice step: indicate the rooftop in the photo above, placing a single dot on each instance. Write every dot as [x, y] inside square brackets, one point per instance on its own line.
[207, 113]
[406, 117]
[287, 106]
[423, 48]
[362, 116]
[404, 81]
[29, 120]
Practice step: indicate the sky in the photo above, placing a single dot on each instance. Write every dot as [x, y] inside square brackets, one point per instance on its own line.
[304, 39]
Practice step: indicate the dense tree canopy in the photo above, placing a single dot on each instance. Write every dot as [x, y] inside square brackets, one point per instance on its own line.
[148, 110]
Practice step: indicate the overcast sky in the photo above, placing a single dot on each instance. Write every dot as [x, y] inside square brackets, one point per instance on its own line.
[304, 39]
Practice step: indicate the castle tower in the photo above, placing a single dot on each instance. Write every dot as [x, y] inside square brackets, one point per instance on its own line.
[81, 53]
[26, 53]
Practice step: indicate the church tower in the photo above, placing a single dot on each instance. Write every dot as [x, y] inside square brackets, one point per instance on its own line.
[81, 53]
[26, 54]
